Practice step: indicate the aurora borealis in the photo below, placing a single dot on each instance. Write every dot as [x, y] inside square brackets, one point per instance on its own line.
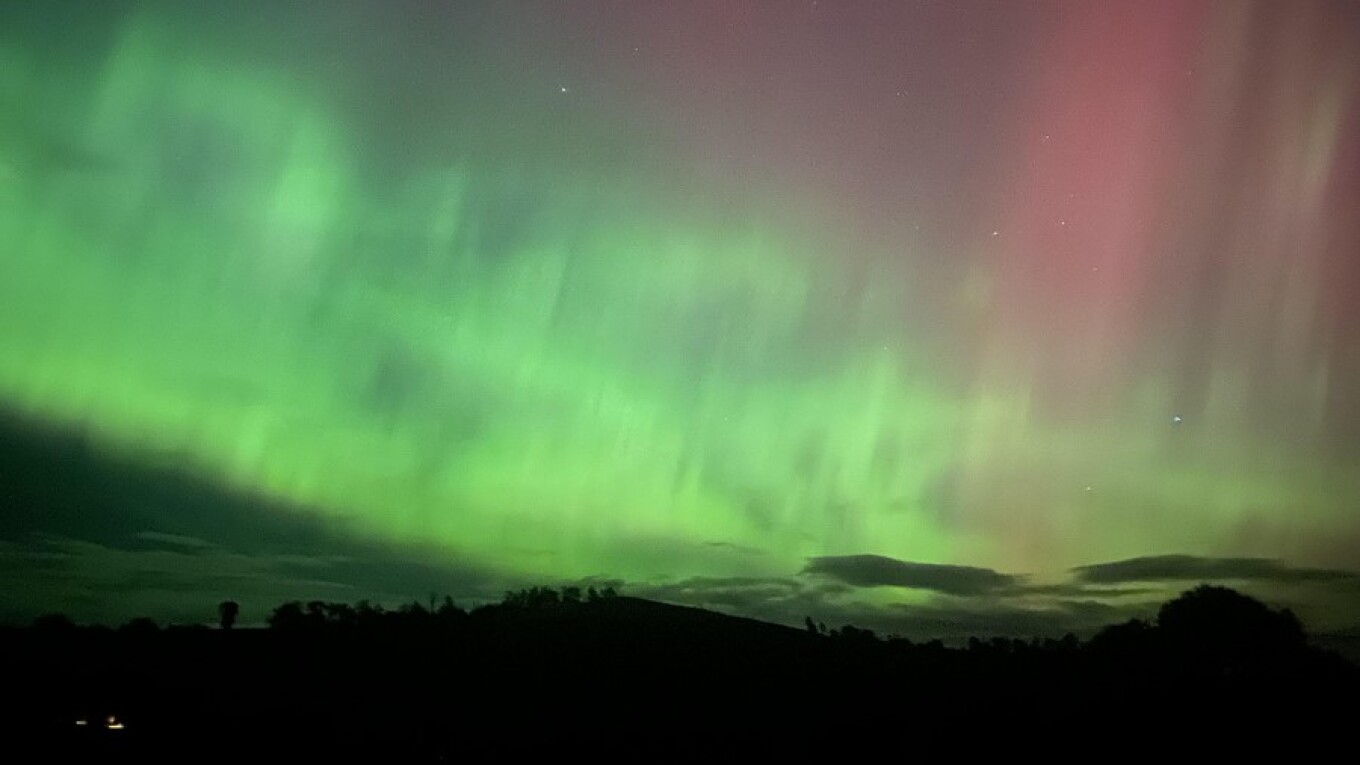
[768, 306]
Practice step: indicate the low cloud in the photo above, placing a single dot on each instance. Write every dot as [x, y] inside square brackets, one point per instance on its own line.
[1190, 568]
[880, 571]
[178, 581]
[734, 548]
[106, 536]
[948, 617]
[954, 620]
[732, 594]
[173, 540]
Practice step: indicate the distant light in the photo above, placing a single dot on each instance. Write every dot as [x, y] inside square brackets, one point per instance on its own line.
[1176, 419]
[114, 724]
[563, 88]
[82, 722]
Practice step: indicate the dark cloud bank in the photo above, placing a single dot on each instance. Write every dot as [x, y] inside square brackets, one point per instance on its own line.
[878, 571]
[1189, 568]
[103, 537]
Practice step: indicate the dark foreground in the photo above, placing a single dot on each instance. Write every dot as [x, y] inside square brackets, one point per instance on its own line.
[626, 679]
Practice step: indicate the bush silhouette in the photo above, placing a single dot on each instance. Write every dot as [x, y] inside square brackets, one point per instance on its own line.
[140, 626]
[227, 611]
[1220, 626]
[54, 623]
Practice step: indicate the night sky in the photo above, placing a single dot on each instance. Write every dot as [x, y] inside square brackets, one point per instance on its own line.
[938, 317]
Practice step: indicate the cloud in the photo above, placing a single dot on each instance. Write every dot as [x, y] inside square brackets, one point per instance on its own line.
[1187, 568]
[67, 540]
[179, 581]
[175, 540]
[737, 594]
[1089, 590]
[879, 571]
[954, 620]
[734, 548]
[93, 581]
[1011, 613]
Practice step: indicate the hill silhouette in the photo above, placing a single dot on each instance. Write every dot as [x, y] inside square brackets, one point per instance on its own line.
[548, 671]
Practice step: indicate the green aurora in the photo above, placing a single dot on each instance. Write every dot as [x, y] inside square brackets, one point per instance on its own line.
[544, 337]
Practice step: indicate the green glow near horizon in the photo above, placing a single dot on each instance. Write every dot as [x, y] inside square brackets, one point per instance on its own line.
[589, 383]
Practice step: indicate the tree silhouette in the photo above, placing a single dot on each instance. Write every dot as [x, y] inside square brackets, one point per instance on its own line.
[1222, 628]
[855, 635]
[140, 626]
[227, 611]
[1131, 636]
[54, 623]
[288, 616]
[340, 614]
[533, 598]
[413, 611]
[316, 613]
[449, 612]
